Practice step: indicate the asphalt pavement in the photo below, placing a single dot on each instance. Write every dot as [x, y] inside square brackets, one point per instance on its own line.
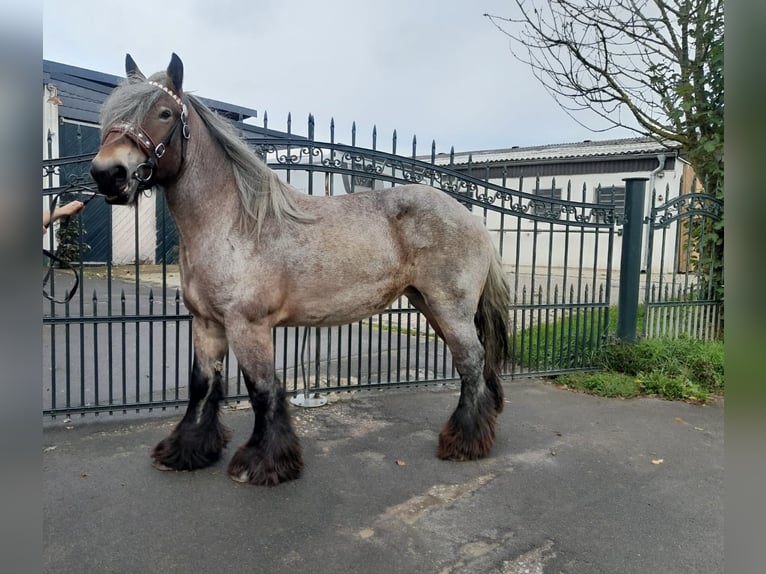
[574, 484]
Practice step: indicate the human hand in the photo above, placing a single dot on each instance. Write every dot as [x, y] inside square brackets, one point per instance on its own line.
[71, 208]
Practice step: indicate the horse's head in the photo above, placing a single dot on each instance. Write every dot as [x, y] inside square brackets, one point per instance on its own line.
[143, 133]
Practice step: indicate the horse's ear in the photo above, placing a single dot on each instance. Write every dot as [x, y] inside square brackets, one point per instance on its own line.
[175, 74]
[131, 68]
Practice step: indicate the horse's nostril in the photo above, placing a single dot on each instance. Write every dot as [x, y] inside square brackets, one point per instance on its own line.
[119, 173]
[114, 174]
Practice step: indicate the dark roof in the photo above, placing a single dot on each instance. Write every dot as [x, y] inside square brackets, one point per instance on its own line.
[81, 93]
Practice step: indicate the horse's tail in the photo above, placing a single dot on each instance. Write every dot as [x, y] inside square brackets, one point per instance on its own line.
[493, 326]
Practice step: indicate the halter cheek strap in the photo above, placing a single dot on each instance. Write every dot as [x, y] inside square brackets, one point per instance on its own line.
[145, 171]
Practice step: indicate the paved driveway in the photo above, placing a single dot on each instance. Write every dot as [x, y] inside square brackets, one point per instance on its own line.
[575, 483]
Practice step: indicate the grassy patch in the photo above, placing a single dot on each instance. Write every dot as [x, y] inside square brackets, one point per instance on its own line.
[676, 369]
[602, 384]
[566, 339]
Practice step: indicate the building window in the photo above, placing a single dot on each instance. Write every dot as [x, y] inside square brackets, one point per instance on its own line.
[611, 196]
[546, 208]
[364, 181]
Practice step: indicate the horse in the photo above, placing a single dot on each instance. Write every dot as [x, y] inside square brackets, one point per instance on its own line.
[256, 253]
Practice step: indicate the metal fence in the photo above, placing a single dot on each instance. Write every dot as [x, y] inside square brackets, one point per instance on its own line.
[687, 300]
[124, 341]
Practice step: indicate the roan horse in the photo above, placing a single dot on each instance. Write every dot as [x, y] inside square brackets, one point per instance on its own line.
[253, 255]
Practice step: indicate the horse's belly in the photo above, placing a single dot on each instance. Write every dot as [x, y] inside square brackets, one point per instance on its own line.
[339, 306]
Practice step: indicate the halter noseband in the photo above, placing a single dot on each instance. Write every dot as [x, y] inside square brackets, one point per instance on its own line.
[145, 171]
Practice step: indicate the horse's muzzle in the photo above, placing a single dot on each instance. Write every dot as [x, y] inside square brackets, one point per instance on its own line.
[113, 181]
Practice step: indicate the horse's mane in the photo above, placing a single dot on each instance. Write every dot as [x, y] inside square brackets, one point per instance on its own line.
[261, 193]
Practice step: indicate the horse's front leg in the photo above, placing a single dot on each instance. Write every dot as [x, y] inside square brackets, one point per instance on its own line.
[273, 453]
[200, 437]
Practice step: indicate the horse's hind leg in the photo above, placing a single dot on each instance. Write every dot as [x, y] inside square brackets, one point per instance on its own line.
[419, 302]
[273, 453]
[200, 437]
[470, 431]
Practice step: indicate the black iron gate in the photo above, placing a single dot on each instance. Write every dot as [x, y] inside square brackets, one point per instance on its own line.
[124, 342]
[682, 298]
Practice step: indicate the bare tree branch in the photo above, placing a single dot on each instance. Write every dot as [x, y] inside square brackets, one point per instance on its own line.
[648, 58]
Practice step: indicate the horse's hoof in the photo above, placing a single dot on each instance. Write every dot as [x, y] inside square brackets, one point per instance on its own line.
[241, 477]
[248, 465]
[159, 466]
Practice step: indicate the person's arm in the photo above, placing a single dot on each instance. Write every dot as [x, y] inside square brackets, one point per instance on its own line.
[71, 208]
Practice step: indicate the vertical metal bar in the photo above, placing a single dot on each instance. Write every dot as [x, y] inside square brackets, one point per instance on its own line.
[96, 355]
[137, 267]
[297, 355]
[389, 341]
[548, 280]
[539, 327]
[501, 242]
[591, 331]
[649, 259]
[328, 359]
[189, 356]
[68, 362]
[353, 178]
[604, 311]
[565, 278]
[630, 261]
[380, 346]
[399, 340]
[310, 173]
[317, 355]
[556, 358]
[340, 355]
[151, 346]
[369, 350]
[523, 321]
[418, 317]
[288, 171]
[359, 354]
[517, 350]
[163, 232]
[123, 327]
[532, 281]
[52, 328]
[177, 366]
[348, 353]
[572, 324]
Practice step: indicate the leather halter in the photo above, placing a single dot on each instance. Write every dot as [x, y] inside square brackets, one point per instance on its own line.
[145, 171]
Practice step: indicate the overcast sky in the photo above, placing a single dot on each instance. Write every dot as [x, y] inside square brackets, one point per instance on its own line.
[435, 68]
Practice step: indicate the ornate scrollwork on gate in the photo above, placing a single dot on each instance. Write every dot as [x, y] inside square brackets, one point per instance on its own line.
[685, 206]
[73, 181]
[368, 165]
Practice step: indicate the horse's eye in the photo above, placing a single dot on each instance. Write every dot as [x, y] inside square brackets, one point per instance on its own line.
[165, 115]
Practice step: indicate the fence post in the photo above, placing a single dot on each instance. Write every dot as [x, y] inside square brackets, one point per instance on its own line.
[630, 259]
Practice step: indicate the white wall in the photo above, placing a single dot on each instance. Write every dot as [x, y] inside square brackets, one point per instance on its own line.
[50, 123]
[594, 250]
[124, 232]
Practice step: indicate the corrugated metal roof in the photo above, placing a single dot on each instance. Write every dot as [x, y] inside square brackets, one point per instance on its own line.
[567, 151]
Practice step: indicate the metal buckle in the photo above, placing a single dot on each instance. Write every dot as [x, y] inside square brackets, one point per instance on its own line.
[159, 151]
[144, 167]
[184, 126]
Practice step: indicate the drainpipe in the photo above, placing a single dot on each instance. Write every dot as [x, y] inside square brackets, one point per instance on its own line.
[661, 157]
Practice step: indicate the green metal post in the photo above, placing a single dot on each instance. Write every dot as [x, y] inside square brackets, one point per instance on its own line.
[630, 260]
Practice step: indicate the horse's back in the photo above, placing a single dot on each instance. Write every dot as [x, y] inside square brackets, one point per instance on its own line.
[365, 249]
